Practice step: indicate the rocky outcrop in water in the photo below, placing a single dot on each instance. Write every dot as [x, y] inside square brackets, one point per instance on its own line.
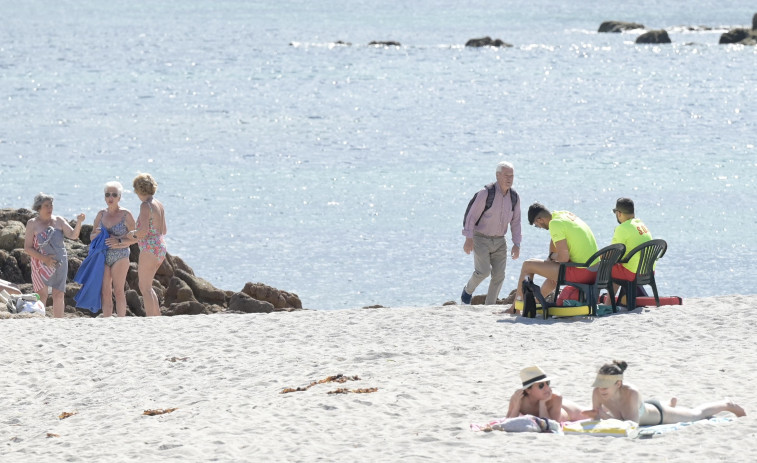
[386, 43]
[618, 26]
[486, 42]
[179, 290]
[741, 36]
[658, 36]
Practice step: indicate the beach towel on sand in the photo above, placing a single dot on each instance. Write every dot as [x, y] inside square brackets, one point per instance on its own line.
[525, 423]
[648, 432]
[611, 427]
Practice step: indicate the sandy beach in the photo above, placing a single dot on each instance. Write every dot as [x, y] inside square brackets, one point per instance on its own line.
[436, 370]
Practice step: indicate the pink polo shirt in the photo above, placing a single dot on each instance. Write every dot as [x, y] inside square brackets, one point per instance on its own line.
[495, 221]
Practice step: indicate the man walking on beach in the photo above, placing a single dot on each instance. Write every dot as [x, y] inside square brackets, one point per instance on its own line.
[571, 241]
[489, 214]
[631, 232]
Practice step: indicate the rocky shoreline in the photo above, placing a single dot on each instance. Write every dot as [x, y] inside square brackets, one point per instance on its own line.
[179, 290]
[739, 35]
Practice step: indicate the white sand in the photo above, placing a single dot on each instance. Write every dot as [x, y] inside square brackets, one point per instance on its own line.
[437, 369]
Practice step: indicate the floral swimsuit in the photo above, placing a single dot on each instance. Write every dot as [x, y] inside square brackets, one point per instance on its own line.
[154, 242]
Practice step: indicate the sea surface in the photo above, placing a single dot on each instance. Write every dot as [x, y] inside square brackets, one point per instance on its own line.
[341, 172]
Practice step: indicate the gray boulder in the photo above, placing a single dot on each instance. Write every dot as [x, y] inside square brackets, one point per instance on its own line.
[186, 308]
[241, 302]
[658, 36]
[203, 291]
[739, 36]
[12, 235]
[618, 26]
[280, 299]
[486, 42]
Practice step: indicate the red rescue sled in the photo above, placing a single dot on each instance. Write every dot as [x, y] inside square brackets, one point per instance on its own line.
[647, 301]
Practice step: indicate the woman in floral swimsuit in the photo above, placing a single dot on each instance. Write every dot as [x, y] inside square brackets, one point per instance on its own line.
[151, 228]
[118, 222]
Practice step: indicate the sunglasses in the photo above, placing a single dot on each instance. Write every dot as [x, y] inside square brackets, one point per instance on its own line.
[111, 195]
[542, 384]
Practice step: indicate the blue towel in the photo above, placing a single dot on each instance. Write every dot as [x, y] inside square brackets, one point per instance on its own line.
[90, 274]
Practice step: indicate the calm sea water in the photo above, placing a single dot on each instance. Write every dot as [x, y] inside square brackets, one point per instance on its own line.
[341, 173]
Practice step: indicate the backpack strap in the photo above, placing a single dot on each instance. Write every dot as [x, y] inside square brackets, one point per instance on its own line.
[490, 191]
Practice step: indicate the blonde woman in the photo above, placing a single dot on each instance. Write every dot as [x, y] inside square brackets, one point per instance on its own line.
[44, 244]
[612, 398]
[117, 221]
[150, 232]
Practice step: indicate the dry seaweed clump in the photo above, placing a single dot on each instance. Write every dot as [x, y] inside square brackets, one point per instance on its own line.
[340, 378]
[344, 390]
[159, 411]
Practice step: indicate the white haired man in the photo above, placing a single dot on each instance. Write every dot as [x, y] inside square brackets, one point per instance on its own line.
[490, 213]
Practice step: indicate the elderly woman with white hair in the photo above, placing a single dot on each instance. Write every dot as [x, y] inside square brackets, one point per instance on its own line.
[118, 222]
[44, 244]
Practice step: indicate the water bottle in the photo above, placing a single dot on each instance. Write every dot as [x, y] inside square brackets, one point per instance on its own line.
[33, 297]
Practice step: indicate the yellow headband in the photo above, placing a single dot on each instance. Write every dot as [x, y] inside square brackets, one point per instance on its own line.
[606, 380]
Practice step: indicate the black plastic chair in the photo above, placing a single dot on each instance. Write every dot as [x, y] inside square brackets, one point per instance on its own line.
[589, 292]
[649, 253]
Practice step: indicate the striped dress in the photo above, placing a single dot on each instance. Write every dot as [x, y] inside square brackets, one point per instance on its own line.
[50, 242]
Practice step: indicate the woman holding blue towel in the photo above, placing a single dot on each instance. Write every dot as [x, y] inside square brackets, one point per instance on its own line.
[614, 399]
[118, 222]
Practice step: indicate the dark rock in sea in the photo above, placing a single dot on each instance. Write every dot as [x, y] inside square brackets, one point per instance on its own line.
[618, 26]
[388, 43]
[486, 42]
[657, 36]
[342, 43]
[739, 36]
[179, 291]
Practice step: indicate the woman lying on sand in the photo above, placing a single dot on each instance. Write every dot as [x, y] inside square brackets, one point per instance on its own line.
[537, 398]
[613, 399]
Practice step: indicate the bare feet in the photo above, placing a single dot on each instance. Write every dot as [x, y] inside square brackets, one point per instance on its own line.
[734, 408]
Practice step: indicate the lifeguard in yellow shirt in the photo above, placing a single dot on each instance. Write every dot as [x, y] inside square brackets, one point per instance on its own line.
[631, 232]
[571, 241]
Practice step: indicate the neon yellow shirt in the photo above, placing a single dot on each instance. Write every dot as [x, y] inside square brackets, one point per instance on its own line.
[631, 233]
[567, 226]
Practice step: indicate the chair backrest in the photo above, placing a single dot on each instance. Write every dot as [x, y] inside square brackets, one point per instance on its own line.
[648, 252]
[610, 256]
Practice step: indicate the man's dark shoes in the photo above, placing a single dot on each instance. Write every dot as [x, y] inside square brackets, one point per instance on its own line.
[465, 297]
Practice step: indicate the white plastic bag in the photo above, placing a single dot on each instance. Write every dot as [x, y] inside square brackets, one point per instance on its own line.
[24, 306]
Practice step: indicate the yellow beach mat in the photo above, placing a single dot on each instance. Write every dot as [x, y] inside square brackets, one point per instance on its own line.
[611, 427]
[559, 311]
